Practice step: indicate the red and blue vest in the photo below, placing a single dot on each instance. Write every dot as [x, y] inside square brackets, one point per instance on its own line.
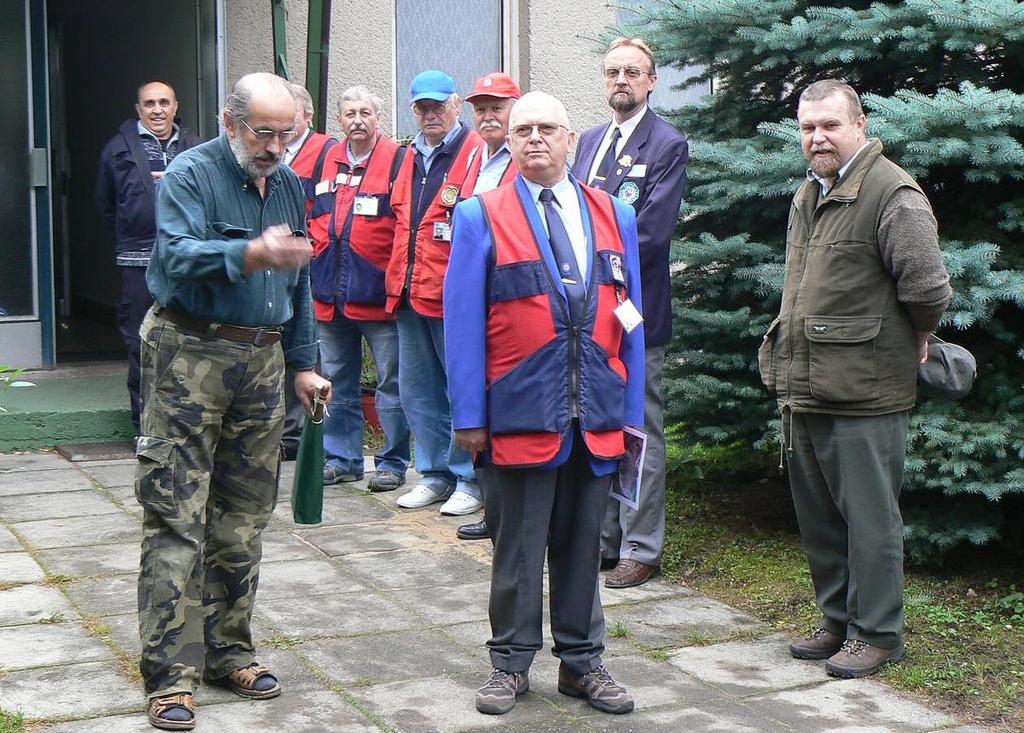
[351, 251]
[424, 275]
[476, 163]
[544, 370]
[308, 163]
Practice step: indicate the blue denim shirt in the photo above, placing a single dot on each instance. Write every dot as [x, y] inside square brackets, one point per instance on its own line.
[207, 212]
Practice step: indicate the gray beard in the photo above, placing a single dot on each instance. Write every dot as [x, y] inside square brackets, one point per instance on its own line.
[247, 162]
[624, 104]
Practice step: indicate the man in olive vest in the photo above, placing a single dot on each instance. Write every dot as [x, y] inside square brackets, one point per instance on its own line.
[865, 285]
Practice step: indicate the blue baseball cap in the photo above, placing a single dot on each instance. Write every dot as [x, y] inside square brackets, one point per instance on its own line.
[431, 84]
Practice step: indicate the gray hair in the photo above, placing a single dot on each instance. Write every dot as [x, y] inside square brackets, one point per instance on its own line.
[239, 101]
[303, 97]
[543, 100]
[359, 93]
[825, 88]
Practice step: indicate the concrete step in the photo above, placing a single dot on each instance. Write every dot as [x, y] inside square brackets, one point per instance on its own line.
[75, 404]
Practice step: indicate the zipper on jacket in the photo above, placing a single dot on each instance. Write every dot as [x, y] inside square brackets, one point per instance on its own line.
[574, 371]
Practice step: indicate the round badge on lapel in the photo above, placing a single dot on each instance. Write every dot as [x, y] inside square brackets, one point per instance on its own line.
[449, 195]
[629, 192]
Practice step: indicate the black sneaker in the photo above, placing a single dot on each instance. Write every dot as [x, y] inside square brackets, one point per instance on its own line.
[385, 481]
[334, 475]
[498, 694]
[598, 687]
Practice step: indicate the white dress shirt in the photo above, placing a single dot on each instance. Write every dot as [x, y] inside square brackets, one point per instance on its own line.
[292, 148]
[626, 129]
[568, 205]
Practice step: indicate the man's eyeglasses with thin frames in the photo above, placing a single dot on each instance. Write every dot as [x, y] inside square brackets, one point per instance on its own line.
[285, 136]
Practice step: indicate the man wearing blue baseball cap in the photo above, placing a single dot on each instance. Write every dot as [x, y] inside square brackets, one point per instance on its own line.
[428, 186]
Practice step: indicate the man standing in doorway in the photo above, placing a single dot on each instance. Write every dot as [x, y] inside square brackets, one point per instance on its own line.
[641, 159]
[230, 279]
[353, 229]
[865, 285]
[131, 166]
[429, 184]
[492, 99]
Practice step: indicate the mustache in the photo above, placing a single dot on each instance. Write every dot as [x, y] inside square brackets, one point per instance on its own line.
[490, 125]
[824, 149]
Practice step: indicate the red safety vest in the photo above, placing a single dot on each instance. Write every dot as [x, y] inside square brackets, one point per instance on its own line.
[542, 368]
[425, 274]
[308, 163]
[476, 163]
[351, 251]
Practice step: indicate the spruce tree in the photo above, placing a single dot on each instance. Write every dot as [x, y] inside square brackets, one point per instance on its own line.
[940, 81]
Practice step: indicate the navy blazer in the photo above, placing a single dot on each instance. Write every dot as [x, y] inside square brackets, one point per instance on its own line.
[652, 177]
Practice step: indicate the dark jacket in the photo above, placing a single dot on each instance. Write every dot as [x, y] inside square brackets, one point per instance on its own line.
[125, 192]
[844, 340]
[653, 182]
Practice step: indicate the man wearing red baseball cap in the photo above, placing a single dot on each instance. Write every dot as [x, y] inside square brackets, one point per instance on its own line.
[491, 166]
[492, 99]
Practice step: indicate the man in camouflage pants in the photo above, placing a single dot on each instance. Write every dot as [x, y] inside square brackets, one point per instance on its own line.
[230, 278]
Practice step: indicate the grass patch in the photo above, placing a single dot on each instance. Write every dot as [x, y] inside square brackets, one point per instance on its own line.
[619, 630]
[731, 533]
[57, 580]
[11, 722]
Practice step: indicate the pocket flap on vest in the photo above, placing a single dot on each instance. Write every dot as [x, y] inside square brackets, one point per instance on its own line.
[842, 329]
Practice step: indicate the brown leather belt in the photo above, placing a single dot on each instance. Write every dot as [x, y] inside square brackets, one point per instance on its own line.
[264, 336]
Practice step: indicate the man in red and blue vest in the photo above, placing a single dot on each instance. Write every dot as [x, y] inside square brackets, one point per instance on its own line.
[492, 98]
[305, 154]
[428, 186]
[545, 354]
[353, 228]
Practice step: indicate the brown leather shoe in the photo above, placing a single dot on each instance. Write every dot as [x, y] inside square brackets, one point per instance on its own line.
[629, 573]
[822, 644]
[859, 659]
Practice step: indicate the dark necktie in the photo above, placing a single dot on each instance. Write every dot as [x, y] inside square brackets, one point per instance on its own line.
[608, 162]
[565, 258]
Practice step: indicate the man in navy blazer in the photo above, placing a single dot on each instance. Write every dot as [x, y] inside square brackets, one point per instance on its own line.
[641, 159]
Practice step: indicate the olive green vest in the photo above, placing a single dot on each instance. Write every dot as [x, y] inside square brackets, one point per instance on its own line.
[842, 343]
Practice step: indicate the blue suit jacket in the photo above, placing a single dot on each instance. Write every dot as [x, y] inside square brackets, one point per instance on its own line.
[466, 307]
[662, 149]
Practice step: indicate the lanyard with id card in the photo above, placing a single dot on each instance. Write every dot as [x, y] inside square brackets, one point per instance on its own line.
[625, 311]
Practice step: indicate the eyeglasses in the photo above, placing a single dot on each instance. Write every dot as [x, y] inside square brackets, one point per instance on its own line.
[546, 129]
[264, 136]
[630, 72]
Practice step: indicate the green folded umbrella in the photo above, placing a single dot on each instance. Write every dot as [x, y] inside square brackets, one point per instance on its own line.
[308, 487]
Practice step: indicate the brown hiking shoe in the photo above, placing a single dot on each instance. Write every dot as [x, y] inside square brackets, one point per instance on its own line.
[822, 644]
[859, 659]
[598, 687]
[498, 694]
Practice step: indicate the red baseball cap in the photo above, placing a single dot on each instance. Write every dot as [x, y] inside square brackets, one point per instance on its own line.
[495, 85]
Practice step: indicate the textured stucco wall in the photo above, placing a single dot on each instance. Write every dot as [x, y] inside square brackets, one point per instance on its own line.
[564, 55]
[360, 46]
[559, 51]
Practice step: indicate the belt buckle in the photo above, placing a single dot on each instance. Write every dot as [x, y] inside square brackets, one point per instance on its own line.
[258, 338]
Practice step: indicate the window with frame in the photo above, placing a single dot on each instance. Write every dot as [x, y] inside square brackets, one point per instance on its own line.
[463, 38]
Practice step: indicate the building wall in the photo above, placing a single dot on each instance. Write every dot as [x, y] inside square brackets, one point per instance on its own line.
[558, 47]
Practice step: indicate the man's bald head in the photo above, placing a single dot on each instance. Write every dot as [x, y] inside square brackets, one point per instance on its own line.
[542, 101]
[540, 138]
[157, 107]
[259, 119]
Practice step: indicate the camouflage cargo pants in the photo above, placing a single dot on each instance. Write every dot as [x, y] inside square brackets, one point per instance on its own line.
[207, 480]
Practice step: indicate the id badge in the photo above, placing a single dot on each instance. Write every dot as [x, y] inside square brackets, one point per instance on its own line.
[617, 273]
[628, 315]
[442, 231]
[366, 205]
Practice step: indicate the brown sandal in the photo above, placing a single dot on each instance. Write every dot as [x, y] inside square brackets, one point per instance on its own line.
[243, 682]
[159, 706]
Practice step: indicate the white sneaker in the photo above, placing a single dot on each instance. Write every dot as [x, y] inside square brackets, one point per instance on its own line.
[421, 495]
[461, 503]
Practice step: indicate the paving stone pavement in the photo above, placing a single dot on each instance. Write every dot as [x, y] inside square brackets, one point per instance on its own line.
[375, 621]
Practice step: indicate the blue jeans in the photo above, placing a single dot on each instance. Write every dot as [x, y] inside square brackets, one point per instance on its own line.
[341, 356]
[424, 386]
